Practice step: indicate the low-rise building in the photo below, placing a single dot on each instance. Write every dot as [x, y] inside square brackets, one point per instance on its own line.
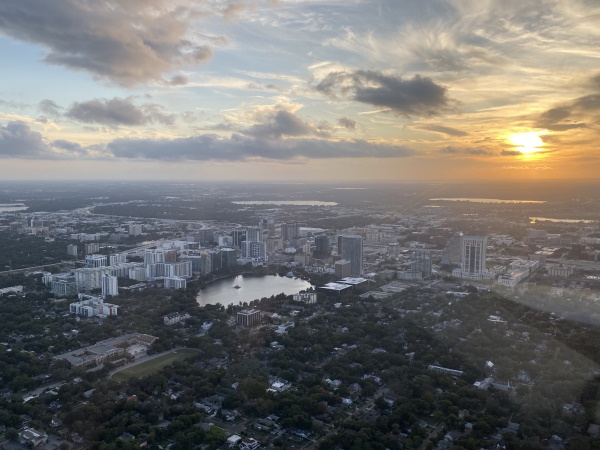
[173, 318]
[31, 437]
[90, 306]
[104, 350]
[248, 317]
[305, 297]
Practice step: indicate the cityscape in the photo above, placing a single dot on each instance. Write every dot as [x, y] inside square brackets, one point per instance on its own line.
[430, 322]
[299, 224]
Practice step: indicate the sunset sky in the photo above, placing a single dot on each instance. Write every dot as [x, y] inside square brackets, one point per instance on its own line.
[299, 89]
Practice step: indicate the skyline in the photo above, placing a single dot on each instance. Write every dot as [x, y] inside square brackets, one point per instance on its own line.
[299, 89]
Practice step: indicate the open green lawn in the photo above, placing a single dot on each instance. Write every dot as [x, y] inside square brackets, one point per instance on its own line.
[154, 365]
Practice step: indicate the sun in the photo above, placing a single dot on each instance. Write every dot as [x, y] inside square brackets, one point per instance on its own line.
[527, 143]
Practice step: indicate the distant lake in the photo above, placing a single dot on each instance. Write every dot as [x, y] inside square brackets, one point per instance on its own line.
[12, 208]
[483, 200]
[251, 288]
[548, 219]
[287, 203]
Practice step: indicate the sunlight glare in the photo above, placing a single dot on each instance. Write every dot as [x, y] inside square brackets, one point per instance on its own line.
[529, 142]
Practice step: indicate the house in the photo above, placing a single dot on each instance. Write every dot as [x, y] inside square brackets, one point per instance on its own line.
[249, 444]
[233, 440]
[33, 438]
[127, 437]
[56, 422]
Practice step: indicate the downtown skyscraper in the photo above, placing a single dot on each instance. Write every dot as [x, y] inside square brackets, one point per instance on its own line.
[352, 250]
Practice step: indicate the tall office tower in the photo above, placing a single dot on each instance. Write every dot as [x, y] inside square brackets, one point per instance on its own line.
[239, 236]
[92, 261]
[216, 262]
[290, 230]
[473, 255]
[267, 224]
[228, 257]
[254, 234]
[322, 250]
[110, 285]
[225, 241]
[452, 253]
[206, 236]
[252, 249]
[421, 262]
[352, 250]
[205, 263]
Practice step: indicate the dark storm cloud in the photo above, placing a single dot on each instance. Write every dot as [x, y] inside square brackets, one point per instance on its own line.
[443, 130]
[419, 95]
[284, 123]
[241, 148]
[127, 42]
[17, 140]
[118, 111]
[347, 123]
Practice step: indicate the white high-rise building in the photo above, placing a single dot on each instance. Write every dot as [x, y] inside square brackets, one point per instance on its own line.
[474, 251]
[90, 278]
[95, 260]
[174, 283]
[137, 273]
[253, 234]
[110, 285]
[153, 256]
[352, 250]
[421, 262]
[117, 258]
[135, 229]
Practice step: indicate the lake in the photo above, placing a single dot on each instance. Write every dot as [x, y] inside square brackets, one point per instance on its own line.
[286, 203]
[484, 200]
[12, 208]
[251, 288]
[548, 219]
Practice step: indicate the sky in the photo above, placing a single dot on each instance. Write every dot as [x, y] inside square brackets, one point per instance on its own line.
[299, 89]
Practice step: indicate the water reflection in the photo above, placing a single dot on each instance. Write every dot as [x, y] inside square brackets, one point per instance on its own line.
[250, 288]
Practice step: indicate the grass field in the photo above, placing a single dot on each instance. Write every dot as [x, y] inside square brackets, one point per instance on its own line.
[154, 365]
